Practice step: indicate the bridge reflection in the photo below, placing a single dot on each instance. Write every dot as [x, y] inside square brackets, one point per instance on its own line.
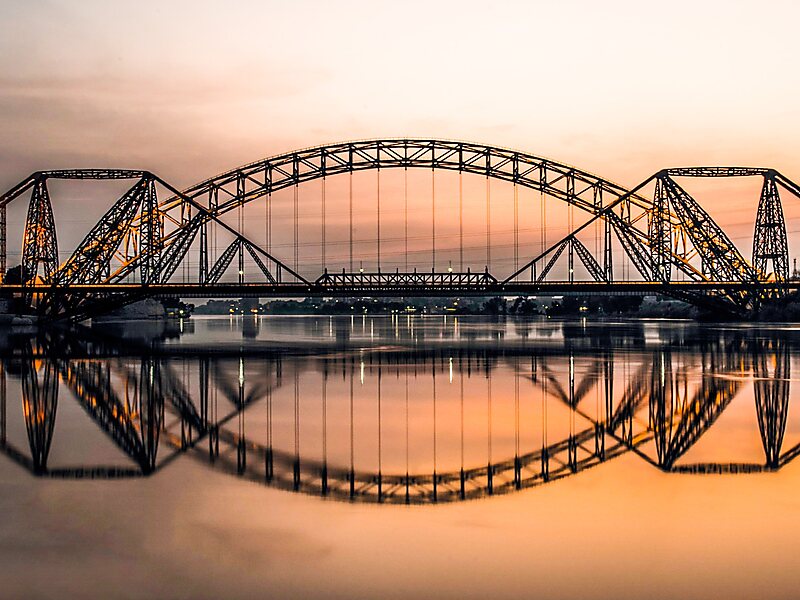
[408, 423]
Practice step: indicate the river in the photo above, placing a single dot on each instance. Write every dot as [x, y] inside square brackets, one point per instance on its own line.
[396, 456]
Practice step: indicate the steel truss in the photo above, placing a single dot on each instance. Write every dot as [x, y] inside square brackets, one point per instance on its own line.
[145, 240]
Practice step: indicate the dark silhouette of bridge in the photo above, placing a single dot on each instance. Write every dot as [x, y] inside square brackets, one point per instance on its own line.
[149, 246]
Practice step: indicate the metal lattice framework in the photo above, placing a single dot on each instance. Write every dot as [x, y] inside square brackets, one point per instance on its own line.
[143, 240]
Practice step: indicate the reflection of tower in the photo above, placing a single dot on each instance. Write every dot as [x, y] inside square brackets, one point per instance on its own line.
[39, 402]
[250, 322]
[249, 306]
[771, 369]
[662, 406]
[342, 331]
[151, 412]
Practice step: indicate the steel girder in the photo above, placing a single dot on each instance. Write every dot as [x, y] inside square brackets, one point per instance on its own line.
[769, 239]
[161, 248]
[721, 260]
[223, 262]
[404, 281]
[589, 261]
[90, 260]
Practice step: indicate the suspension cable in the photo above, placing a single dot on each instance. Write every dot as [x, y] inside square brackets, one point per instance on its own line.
[241, 233]
[433, 218]
[296, 228]
[351, 221]
[405, 215]
[269, 222]
[461, 221]
[516, 227]
[322, 242]
[488, 224]
[379, 219]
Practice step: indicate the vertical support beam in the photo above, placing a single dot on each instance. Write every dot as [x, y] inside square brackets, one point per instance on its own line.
[241, 263]
[204, 253]
[571, 259]
[608, 260]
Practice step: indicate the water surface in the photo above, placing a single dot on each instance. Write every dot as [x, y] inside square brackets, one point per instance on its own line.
[388, 456]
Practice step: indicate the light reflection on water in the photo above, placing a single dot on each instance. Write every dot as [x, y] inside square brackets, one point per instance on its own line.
[571, 438]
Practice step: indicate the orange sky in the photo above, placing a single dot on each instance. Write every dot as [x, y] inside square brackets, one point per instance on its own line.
[189, 89]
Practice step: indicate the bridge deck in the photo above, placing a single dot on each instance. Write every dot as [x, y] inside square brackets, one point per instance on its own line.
[367, 288]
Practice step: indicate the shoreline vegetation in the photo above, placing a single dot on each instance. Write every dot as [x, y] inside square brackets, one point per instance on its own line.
[784, 309]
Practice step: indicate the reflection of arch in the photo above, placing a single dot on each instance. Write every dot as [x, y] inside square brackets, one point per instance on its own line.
[583, 449]
[676, 419]
[285, 470]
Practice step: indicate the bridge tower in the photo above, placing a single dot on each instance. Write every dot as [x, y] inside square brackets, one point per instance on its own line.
[659, 232]
[39, 244]
[769, 238]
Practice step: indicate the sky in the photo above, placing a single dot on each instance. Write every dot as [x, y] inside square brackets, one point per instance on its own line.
[188, 89]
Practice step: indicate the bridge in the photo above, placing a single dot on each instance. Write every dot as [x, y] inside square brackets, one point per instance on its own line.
[156, 240]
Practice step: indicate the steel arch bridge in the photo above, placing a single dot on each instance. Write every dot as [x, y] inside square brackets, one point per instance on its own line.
[142, 242]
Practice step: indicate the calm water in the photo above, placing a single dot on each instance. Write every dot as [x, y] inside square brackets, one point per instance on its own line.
[396, 456]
